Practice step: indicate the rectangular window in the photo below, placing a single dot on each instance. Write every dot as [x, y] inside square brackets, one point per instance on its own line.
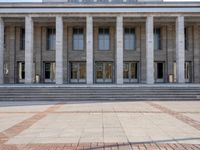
[51, 38]
[126, 70]
[104, 39]
[5, 37]
[78, 39]
[22, 39]
[188, 71]
[108, 70]
[186, 38]
[82, 70]
[134, 74]
[74, 71]
[129, 38]
[99, 70]
[157, 39]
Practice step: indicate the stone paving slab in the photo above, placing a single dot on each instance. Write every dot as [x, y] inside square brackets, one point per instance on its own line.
[179, 106]
[99, 125]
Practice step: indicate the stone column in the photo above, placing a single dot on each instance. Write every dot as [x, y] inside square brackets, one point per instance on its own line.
[59, 50]
[119, 50]
[89, 49]
[180, 50]
[28, 50]
[149, 51]
[196, 54]
[1, 51]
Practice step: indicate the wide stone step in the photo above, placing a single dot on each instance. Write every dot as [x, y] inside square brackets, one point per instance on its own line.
[99, 99]
[101, 93]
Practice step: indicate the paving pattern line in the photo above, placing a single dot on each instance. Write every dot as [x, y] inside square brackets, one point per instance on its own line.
[25, 124]
[193, 123]
[102, 146]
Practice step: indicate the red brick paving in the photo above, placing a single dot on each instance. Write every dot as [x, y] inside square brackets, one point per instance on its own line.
[16, 129]
[195, 124]
[102, 146]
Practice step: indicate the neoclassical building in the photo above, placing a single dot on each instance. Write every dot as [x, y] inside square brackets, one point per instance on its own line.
[100, 42]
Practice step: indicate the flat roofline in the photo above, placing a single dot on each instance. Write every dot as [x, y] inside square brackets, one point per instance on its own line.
[72, 5]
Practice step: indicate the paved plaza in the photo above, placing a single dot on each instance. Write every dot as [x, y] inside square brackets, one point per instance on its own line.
[144, 125]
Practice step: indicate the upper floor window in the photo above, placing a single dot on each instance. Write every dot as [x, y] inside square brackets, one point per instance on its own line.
[157, 39]
[129, 38]
[5, 36]
[51, 39]
[22, 39]
[104, 39]
[78, 39]
[186, 38]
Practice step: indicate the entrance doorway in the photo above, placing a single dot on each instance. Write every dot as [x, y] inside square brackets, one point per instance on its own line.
[159, 69]
[21, 72]
[49, 72]
[78, 72]
[104, 72]
[187, 72]
[130, 72]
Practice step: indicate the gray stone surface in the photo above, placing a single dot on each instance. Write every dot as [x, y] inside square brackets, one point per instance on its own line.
[89, 50]
[149, 50]
[1, 51]
[109, 122]
[59, 50]
[13, 53]
[119, 50]
[180, 50]
[29, 28]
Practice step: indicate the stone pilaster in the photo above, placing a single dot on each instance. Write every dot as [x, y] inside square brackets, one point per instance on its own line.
[28, 50]
[170, 46]
[119, 50]
[89, 49]
[59, 50]
[180, 50]
[196, 54]
[1, 51]
[149, 51]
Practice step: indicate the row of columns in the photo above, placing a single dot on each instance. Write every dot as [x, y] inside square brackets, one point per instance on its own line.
[29, 30]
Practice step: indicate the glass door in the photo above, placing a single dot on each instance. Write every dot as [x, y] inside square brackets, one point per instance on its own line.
[78, 72]
[49, 72]
[104, 72]
[130, 72]
[187, 73]
[21, 72]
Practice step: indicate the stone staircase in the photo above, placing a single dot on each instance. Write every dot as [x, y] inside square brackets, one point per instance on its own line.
[49, 93]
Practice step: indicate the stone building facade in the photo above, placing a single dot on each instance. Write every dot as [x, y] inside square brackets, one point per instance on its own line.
[101, 42]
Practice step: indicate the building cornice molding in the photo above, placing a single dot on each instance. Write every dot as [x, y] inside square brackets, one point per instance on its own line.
[65, 5]
[98, 10]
